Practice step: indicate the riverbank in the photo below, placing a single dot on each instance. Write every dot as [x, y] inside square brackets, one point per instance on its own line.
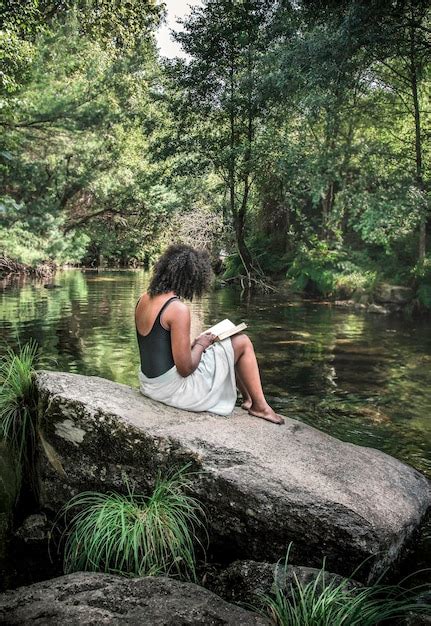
[11, 267]
[384, 299]
[361, 290]
[340, 274]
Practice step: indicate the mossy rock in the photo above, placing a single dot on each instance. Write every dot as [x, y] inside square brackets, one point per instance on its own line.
[8, 479]
[8, 492]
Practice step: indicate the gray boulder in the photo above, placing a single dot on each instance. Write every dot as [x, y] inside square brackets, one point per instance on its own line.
[416, 620]
[393, 294]
[93, 598]
[245, 581]
[35, 529]
[262, 485]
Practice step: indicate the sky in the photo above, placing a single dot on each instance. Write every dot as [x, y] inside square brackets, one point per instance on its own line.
[175, 8]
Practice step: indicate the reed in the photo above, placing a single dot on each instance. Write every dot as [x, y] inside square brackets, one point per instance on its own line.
[133, 534]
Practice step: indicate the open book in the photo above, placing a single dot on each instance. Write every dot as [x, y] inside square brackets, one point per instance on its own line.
[225, 329]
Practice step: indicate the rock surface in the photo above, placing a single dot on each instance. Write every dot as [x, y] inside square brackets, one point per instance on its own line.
[262, 485]
[244, 581]
[9, 484]
[377, 308]
[393, 294]
[35, 529]
[92, 598]
[8, 493]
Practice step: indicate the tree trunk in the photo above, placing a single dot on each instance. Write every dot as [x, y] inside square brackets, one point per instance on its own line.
[418, 142]
[422, 241]
[327, 204]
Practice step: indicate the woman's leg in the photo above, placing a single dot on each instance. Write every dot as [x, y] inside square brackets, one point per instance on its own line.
[248, 378]
[246, 398]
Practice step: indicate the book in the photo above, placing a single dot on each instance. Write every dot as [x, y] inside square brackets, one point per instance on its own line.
[225, 329]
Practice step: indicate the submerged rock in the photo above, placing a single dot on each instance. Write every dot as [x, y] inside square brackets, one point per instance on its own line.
[262, 485]
[377, 308]
[93, 598]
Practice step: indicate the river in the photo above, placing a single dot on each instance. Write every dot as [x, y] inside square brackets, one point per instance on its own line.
[364, 378]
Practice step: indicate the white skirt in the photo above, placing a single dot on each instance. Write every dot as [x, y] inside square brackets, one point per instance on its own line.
[211, 387]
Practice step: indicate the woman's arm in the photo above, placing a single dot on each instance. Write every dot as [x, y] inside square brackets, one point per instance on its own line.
[186, 358]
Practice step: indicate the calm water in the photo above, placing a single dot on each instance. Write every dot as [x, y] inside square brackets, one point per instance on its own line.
[364, 378]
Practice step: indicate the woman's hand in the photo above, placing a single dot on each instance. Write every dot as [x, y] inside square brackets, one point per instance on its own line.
[186, 357]
[205, 340]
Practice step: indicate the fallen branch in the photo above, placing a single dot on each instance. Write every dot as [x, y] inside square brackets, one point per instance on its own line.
[10, 267]
[259, 283]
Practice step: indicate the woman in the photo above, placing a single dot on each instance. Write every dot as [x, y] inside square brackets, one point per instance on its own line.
[202, 376]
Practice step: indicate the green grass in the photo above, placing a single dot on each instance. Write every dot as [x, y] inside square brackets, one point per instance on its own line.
[18, 401]
[133, 534]
[326, 602]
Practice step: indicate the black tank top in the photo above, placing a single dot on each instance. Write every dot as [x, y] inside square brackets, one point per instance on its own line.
[155, 348]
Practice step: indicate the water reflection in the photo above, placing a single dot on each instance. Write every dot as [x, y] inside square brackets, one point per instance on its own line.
[360, 377]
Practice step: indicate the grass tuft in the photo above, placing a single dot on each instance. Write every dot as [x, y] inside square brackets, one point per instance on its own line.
[18, 401]
[134, 534]
[328, 602]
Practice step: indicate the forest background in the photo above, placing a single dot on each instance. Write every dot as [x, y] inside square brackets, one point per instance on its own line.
[292, 140]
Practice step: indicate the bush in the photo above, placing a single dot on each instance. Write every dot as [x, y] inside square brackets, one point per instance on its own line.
[320, 270]
[347, 284]
[133, 534]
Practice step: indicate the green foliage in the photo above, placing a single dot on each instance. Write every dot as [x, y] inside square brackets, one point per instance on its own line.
[135, 535]
[322, 270]
[74, 159]
[18, 401]
[19, 243]
[15, 57]
[424, 295]
[292, 125]
[422, 273]
[322, 602]
[312, 269]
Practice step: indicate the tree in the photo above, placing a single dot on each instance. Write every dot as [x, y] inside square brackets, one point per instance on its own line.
[402, 64]
[76, 133]
[220, 101]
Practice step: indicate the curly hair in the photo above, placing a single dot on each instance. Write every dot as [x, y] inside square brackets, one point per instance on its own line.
[181, 269]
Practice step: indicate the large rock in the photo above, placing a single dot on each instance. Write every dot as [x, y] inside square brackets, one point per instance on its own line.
[393, 294]
[90, 598]
[246, 581]
[262, 485]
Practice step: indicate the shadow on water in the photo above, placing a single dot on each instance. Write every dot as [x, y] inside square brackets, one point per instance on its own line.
[362, 378]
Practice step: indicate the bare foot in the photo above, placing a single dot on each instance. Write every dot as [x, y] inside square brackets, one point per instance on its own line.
[246, 404]
[267, 414]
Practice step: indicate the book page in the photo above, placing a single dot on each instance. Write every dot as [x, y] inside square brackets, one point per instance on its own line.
[221, 327]
[232, 331]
